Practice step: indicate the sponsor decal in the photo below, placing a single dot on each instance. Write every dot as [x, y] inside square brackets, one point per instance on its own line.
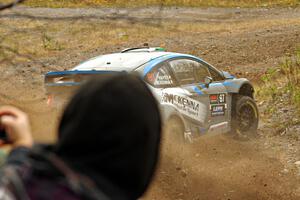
[188, 106]
[197, 90]
[163, 80]
[213, 98]
[217, 110]
[217, 98]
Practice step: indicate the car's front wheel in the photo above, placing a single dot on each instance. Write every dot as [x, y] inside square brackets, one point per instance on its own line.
[245, 116]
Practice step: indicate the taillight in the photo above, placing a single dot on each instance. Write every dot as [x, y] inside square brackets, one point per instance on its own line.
[50, 100]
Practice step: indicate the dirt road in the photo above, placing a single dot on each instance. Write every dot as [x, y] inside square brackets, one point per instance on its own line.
[221, 168]
[246, 42]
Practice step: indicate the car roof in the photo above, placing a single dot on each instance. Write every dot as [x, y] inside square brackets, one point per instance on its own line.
[126, 61]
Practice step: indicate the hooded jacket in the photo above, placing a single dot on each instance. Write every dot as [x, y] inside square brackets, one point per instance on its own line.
[110, 133]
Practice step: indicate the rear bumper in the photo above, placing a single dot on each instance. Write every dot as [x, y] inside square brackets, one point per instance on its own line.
[61, 85]
[58, 96]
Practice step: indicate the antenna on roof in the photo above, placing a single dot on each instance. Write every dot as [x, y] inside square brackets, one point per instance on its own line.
[133, 48]
[143, 49]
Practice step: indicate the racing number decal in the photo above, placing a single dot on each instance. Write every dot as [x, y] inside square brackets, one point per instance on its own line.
[217, 98]
[222, 98]
[217, 104]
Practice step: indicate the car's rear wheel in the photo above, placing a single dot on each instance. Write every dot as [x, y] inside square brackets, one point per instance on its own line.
[245, 116]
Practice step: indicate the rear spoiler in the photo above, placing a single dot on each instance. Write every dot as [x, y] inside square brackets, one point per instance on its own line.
[71, 78]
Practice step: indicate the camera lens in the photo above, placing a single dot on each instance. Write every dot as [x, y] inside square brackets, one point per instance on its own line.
[3, 135]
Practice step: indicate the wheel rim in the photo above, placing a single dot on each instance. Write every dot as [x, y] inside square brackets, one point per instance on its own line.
[246, 117]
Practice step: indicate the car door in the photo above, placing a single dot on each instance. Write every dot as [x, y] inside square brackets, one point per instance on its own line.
[165, 89]
[212, 99]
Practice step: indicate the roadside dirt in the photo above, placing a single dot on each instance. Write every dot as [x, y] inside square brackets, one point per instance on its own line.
[245, 42]
[222, 168]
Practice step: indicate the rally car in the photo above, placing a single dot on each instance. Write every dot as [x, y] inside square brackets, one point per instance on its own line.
[194, 96]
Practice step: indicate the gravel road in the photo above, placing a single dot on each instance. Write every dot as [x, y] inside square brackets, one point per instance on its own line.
[247, 42]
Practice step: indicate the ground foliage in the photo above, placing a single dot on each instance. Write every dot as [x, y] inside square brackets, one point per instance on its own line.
[135, 3]
[279, 96]
[284, 79]
[35, 41]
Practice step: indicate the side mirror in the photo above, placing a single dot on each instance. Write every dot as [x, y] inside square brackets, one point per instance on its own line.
[208, 80]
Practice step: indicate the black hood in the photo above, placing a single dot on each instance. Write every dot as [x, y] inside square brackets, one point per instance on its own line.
[110, 132]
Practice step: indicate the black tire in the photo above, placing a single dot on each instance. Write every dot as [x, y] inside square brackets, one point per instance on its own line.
[175, 129]
[245, 117]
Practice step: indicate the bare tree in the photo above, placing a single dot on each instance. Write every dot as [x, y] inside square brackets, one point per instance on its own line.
[19, 63]
[10, 4]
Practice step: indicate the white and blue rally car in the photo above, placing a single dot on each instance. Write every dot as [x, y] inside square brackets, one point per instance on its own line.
[195, 97]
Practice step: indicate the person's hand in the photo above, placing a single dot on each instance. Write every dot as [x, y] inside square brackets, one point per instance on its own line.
[16, 125]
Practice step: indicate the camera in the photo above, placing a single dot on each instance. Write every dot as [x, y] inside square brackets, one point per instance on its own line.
[3, 135]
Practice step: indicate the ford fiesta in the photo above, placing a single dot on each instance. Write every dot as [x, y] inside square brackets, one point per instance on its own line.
[194, 97]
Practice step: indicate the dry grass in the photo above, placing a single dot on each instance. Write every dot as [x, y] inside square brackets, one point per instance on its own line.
[137, 3]
[46, 38]
[38, 39]
[279, 96]
[283, 80]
